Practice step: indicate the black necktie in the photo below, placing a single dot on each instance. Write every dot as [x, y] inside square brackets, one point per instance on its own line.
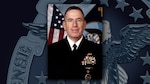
[74, 47]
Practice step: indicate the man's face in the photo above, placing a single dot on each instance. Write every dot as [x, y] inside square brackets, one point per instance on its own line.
[74, 23]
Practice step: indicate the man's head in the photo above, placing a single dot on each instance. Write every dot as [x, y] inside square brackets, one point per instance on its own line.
[74, 23]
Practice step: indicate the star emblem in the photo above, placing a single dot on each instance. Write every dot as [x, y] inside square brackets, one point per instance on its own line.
[146, 59]
[121, 4]
[41, 78]
[105, 2]
[146, 78]
[136, 14]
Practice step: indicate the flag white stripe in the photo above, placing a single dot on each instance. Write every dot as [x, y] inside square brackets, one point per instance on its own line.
[50, 14]
[56, 35]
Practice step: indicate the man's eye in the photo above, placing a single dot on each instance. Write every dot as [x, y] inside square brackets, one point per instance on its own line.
[79, 20]
[69, 20]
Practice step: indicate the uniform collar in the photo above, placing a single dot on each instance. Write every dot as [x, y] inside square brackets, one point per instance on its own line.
[71, 43]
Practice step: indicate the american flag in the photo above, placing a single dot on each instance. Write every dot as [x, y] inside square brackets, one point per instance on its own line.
[55, 29]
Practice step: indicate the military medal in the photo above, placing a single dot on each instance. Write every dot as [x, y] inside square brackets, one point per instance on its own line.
[88, 62]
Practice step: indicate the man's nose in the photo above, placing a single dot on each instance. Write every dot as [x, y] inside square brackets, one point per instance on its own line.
[74, 23]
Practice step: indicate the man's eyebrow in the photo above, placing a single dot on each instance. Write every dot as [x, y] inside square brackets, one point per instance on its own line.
[69, 19]
[79, 18]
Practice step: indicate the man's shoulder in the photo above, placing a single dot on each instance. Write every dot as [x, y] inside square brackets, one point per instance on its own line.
[92, 44]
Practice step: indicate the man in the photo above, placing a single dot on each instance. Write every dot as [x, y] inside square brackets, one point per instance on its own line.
[68, 61]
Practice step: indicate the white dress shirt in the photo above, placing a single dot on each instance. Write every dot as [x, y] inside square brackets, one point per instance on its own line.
[71, 43]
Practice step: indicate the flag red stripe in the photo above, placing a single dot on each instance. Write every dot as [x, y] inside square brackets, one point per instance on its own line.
[51, 32]
[61, 34]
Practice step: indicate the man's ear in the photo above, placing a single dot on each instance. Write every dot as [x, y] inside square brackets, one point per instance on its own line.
[64, 25]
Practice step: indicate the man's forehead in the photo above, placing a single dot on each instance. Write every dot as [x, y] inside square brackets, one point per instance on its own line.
[73, 14]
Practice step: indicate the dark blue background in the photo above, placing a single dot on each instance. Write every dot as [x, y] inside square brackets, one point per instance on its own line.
[13, 13]
[118, 20]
